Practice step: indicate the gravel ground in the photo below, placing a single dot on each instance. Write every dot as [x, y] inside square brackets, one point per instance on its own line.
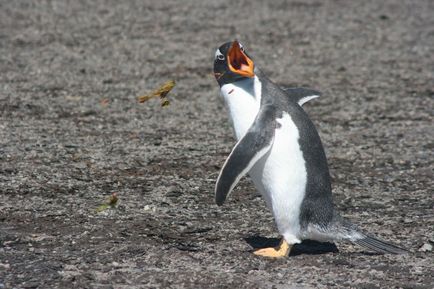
[72, 133]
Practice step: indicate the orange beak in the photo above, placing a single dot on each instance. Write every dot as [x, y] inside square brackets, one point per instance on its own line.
[239, 62]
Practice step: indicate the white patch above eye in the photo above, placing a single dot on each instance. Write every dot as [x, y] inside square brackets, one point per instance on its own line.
[219, 55]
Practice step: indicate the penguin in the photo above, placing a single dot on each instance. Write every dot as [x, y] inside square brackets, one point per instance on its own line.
[279, 147]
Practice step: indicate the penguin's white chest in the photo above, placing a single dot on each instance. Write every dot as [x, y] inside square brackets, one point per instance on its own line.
[281, 178]
[243, 101]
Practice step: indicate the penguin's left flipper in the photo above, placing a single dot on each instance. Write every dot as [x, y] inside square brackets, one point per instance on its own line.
[249, 149]
[301, 95]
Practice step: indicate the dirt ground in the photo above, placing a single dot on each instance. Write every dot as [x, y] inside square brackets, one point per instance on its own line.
[72, 133]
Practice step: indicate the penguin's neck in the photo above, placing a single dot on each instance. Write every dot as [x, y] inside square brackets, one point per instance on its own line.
[243, 99]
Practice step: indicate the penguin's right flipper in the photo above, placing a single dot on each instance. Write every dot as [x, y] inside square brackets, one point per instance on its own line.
[249, 149]
[301, 95]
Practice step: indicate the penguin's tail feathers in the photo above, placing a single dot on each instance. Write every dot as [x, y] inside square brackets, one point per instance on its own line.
[379, 246]
[356, 236]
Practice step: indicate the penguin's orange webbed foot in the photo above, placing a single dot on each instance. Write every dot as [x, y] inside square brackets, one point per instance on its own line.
[275, 252]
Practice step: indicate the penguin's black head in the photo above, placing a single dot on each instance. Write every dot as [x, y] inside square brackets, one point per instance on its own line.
[231, 63]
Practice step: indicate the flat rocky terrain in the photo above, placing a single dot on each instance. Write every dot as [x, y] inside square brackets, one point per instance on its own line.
[72, 133]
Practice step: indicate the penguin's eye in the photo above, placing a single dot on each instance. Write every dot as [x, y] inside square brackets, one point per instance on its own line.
[220, 57]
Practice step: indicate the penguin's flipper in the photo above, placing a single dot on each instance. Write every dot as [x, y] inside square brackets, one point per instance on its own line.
[301, 95]
[249, 149]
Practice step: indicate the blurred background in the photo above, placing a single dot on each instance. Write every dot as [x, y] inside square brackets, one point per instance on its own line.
[72, 133]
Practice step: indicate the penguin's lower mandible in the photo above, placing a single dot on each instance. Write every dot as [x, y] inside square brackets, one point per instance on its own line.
[279, 147]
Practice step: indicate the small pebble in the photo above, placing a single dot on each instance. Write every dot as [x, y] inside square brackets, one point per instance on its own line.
[426, 248]
[408, 220]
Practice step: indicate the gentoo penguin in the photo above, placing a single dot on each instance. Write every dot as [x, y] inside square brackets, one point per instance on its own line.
[279, 147]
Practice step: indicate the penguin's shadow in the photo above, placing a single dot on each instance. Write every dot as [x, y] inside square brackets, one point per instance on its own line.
[308, 247]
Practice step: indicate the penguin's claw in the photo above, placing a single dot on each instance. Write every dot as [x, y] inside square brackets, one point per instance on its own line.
[275, 252]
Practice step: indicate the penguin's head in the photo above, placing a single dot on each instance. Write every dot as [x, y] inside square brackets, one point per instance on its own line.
[231, 63]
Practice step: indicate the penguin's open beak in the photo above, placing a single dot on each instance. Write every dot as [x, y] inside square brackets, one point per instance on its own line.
[239, 62]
